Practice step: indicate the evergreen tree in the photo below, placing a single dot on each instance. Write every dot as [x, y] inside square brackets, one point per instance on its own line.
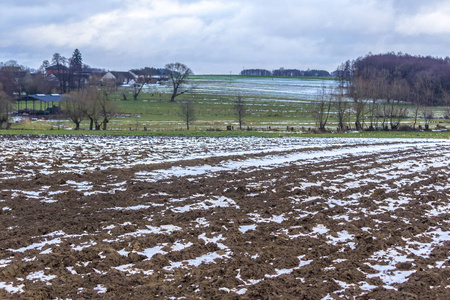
[76, 67]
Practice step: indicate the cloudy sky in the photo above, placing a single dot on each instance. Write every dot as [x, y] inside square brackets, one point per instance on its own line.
[221, 36]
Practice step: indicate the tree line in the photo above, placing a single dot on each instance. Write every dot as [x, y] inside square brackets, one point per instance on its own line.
[282, 72]
[385, 89]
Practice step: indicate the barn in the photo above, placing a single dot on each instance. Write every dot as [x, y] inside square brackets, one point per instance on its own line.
[39, 104]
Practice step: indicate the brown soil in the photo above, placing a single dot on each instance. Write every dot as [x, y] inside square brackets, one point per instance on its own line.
[79, 238]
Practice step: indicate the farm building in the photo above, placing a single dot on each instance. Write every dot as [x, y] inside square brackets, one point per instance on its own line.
[40, 104]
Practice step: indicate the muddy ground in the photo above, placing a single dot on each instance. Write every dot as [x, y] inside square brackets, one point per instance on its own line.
[364, 225]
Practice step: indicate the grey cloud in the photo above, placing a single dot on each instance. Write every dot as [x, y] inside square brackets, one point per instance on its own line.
[215, 36]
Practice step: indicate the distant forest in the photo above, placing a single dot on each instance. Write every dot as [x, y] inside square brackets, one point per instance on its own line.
[286, 73]
[396, 76]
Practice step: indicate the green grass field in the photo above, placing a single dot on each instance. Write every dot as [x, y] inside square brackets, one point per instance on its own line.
[153, 114]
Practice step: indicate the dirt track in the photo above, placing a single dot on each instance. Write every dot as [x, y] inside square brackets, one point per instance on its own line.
[370, 224]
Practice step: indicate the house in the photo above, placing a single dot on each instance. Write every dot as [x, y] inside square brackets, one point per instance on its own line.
[56, 70]
[115, 77]
[108, 77]
[96, 76]
[124, 77]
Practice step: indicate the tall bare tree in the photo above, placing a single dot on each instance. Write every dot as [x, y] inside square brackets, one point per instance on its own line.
[415, 100]
[187, 112]
[446, 96]
[43, 68]
[178, 74]
[397, 110]
[60, 62]
[420, 93]
[240, 110]
[138, 86]
[5, 107]
[342, 108]
[374, 90]
[357, 90]
[321, 108]
[9, 79]
[428, 116]
[107, 107]
[42, 84]
[74, 108]
[91, 109]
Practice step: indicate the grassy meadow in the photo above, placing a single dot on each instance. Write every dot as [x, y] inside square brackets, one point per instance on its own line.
[153, 114]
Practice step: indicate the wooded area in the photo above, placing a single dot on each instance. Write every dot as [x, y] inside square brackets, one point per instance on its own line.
[415, 79]
[282, 72]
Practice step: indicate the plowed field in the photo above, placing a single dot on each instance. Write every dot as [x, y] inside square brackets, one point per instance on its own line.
[224, 218]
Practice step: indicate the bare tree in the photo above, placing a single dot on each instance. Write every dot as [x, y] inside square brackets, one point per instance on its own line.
[9, 80]
[43, 68]
[397, 111]
[90, 108]
[60, 62]
[137, 87]
[445, 100]
[357, 90]
[375, 88]
[74, 108]
[240, 110]
[94, 105]
[393, 111]
[5, 107]
[321, 108]
[359, 109]
[428, 116]
[415, 100]
[420, 92]
[342, 108]
[187, 112]
[107, 108]
[396, 114]
[88, 105]
[446, 96]
[43, 85]
[98, 108]
[178, 74]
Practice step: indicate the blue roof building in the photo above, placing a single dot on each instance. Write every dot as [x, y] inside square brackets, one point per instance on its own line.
[41, 103]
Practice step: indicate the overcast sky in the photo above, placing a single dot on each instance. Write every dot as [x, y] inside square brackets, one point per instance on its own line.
[221, 36]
